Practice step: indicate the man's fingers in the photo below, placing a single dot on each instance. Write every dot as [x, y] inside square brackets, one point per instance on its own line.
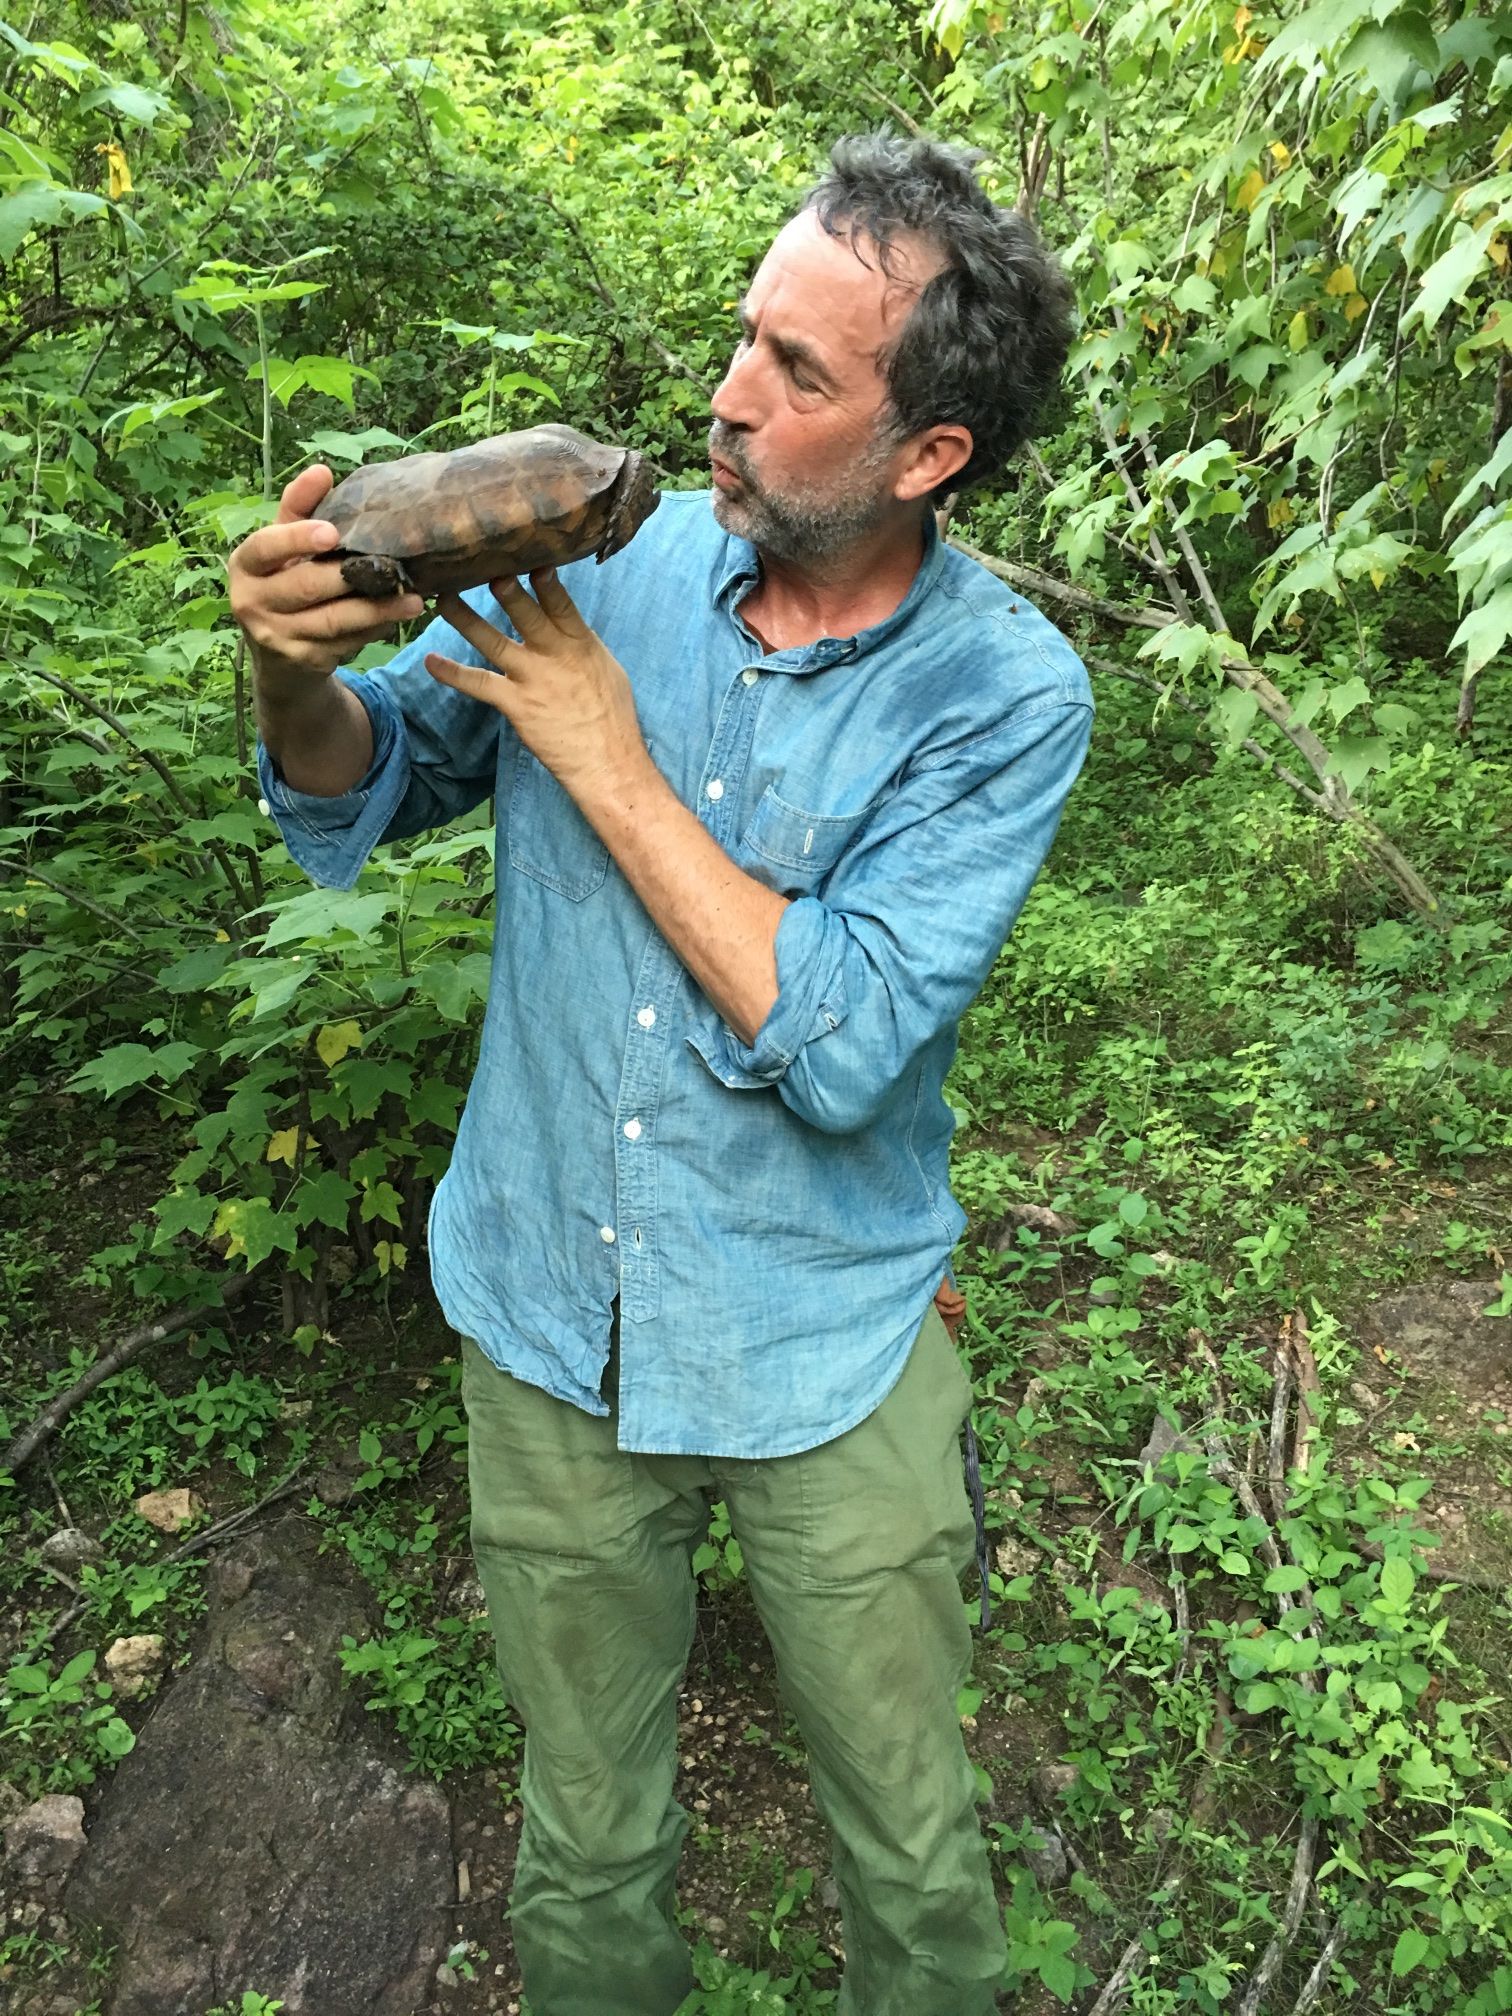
[492, 644]
[302, 495]
[476, 681]
[555, 601]
[272, 548]
[521, 607]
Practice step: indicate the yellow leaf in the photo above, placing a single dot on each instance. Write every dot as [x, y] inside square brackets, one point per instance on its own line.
[334, 1041]
[1355, 307]
[1341, 281]
[1279, 512]
[1296, 331]
[1248, 192]
[120, 174]
[223, 937]
[1498, 250]
[225, 1228]
[284, 1146]
[1280, 153]
[1377, 577]
[1242, 18]
[390, 1254]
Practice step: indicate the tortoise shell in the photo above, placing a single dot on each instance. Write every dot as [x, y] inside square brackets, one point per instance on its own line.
[538, 498]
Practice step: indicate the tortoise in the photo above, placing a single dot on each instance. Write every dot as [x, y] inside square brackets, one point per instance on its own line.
[538, 498]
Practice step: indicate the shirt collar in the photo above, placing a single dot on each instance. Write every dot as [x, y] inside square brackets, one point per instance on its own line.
[741, 569]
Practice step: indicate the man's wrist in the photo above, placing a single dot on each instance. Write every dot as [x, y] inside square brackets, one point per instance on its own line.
[614, 786]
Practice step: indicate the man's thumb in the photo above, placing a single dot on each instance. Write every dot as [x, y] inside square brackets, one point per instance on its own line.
[302, 495]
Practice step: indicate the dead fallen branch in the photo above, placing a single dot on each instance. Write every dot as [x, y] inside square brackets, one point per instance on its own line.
[1317, 1981]
[1204, 1796]
[182, 1317]
[1291, 1918]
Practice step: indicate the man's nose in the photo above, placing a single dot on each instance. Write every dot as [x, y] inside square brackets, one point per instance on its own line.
[736, 399]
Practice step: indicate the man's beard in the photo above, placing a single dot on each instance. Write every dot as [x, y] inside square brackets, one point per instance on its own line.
[805, 524]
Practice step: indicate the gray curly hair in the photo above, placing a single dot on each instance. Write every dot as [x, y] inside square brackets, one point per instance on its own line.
[986, 343]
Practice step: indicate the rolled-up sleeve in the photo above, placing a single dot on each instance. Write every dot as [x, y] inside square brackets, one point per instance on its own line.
[435, 756]
[908, 924]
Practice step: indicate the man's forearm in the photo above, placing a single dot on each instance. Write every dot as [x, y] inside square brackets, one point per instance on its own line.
[314, 727]
[721, 922]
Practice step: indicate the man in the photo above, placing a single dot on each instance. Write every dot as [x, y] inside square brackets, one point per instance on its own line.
[771, 788]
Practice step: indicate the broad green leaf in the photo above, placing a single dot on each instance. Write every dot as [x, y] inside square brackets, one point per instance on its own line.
[1397, 1581]
[323, 1198]
[1451, 275]
[328, 444]
[1486, 478]
[254, 1229]
[317, 913]
[1485, 630]
[132, 101]
[1383, 50]
[1410, 1951]
[37, 205]
[1286, 1579]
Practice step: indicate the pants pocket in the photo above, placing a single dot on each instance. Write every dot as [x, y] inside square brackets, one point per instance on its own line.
[544, 1478]
[891, 1492]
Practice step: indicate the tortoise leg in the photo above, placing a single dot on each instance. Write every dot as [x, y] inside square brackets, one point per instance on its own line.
[374, 575]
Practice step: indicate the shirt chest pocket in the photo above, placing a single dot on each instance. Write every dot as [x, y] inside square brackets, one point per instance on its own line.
[793, 850]
[549, 839]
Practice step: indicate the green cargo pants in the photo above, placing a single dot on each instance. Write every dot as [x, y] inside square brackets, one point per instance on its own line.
[853, 1552]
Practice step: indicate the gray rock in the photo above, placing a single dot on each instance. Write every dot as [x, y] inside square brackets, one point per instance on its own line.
[70, 1547]
[1164, 1440]
[46, 1839]
[263, 1833]
[1045, 1853]
[1052, 1781]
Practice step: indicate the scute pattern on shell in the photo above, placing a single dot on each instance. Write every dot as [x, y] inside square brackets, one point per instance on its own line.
[538, 498]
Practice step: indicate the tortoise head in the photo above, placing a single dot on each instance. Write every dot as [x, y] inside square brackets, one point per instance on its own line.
[631, 502]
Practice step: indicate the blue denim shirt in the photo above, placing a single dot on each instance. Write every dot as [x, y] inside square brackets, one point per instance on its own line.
[774, 1217]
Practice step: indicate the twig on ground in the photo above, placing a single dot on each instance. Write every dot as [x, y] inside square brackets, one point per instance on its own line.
[1116, 1988]
[1183, 1621]
[1317, 1981]
[57, 1411]
[1280, 1408]
[1291, 1918]
[1306, 1367]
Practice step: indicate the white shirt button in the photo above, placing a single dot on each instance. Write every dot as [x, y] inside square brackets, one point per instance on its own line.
[715, 787]
[606, 1233]
[749, 676]
[265, 808]
[632, 1130]
[646, 1017]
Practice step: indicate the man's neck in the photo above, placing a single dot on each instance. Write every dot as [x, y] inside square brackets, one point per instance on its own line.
[795, 603]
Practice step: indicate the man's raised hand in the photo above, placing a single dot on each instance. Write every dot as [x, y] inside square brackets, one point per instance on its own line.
[295, 609]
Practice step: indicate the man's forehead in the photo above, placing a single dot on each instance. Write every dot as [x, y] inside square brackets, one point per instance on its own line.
[847, 268]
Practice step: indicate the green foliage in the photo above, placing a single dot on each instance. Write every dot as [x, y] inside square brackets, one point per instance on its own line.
[59, 1730]
[1218, 1048]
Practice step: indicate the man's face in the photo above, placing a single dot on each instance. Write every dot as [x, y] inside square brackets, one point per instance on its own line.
[803, 464]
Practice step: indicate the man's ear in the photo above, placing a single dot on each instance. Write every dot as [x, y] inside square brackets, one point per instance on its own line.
[933, 458]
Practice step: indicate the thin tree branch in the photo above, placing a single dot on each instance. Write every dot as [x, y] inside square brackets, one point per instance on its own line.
[56, 1412]
[1034, 582]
